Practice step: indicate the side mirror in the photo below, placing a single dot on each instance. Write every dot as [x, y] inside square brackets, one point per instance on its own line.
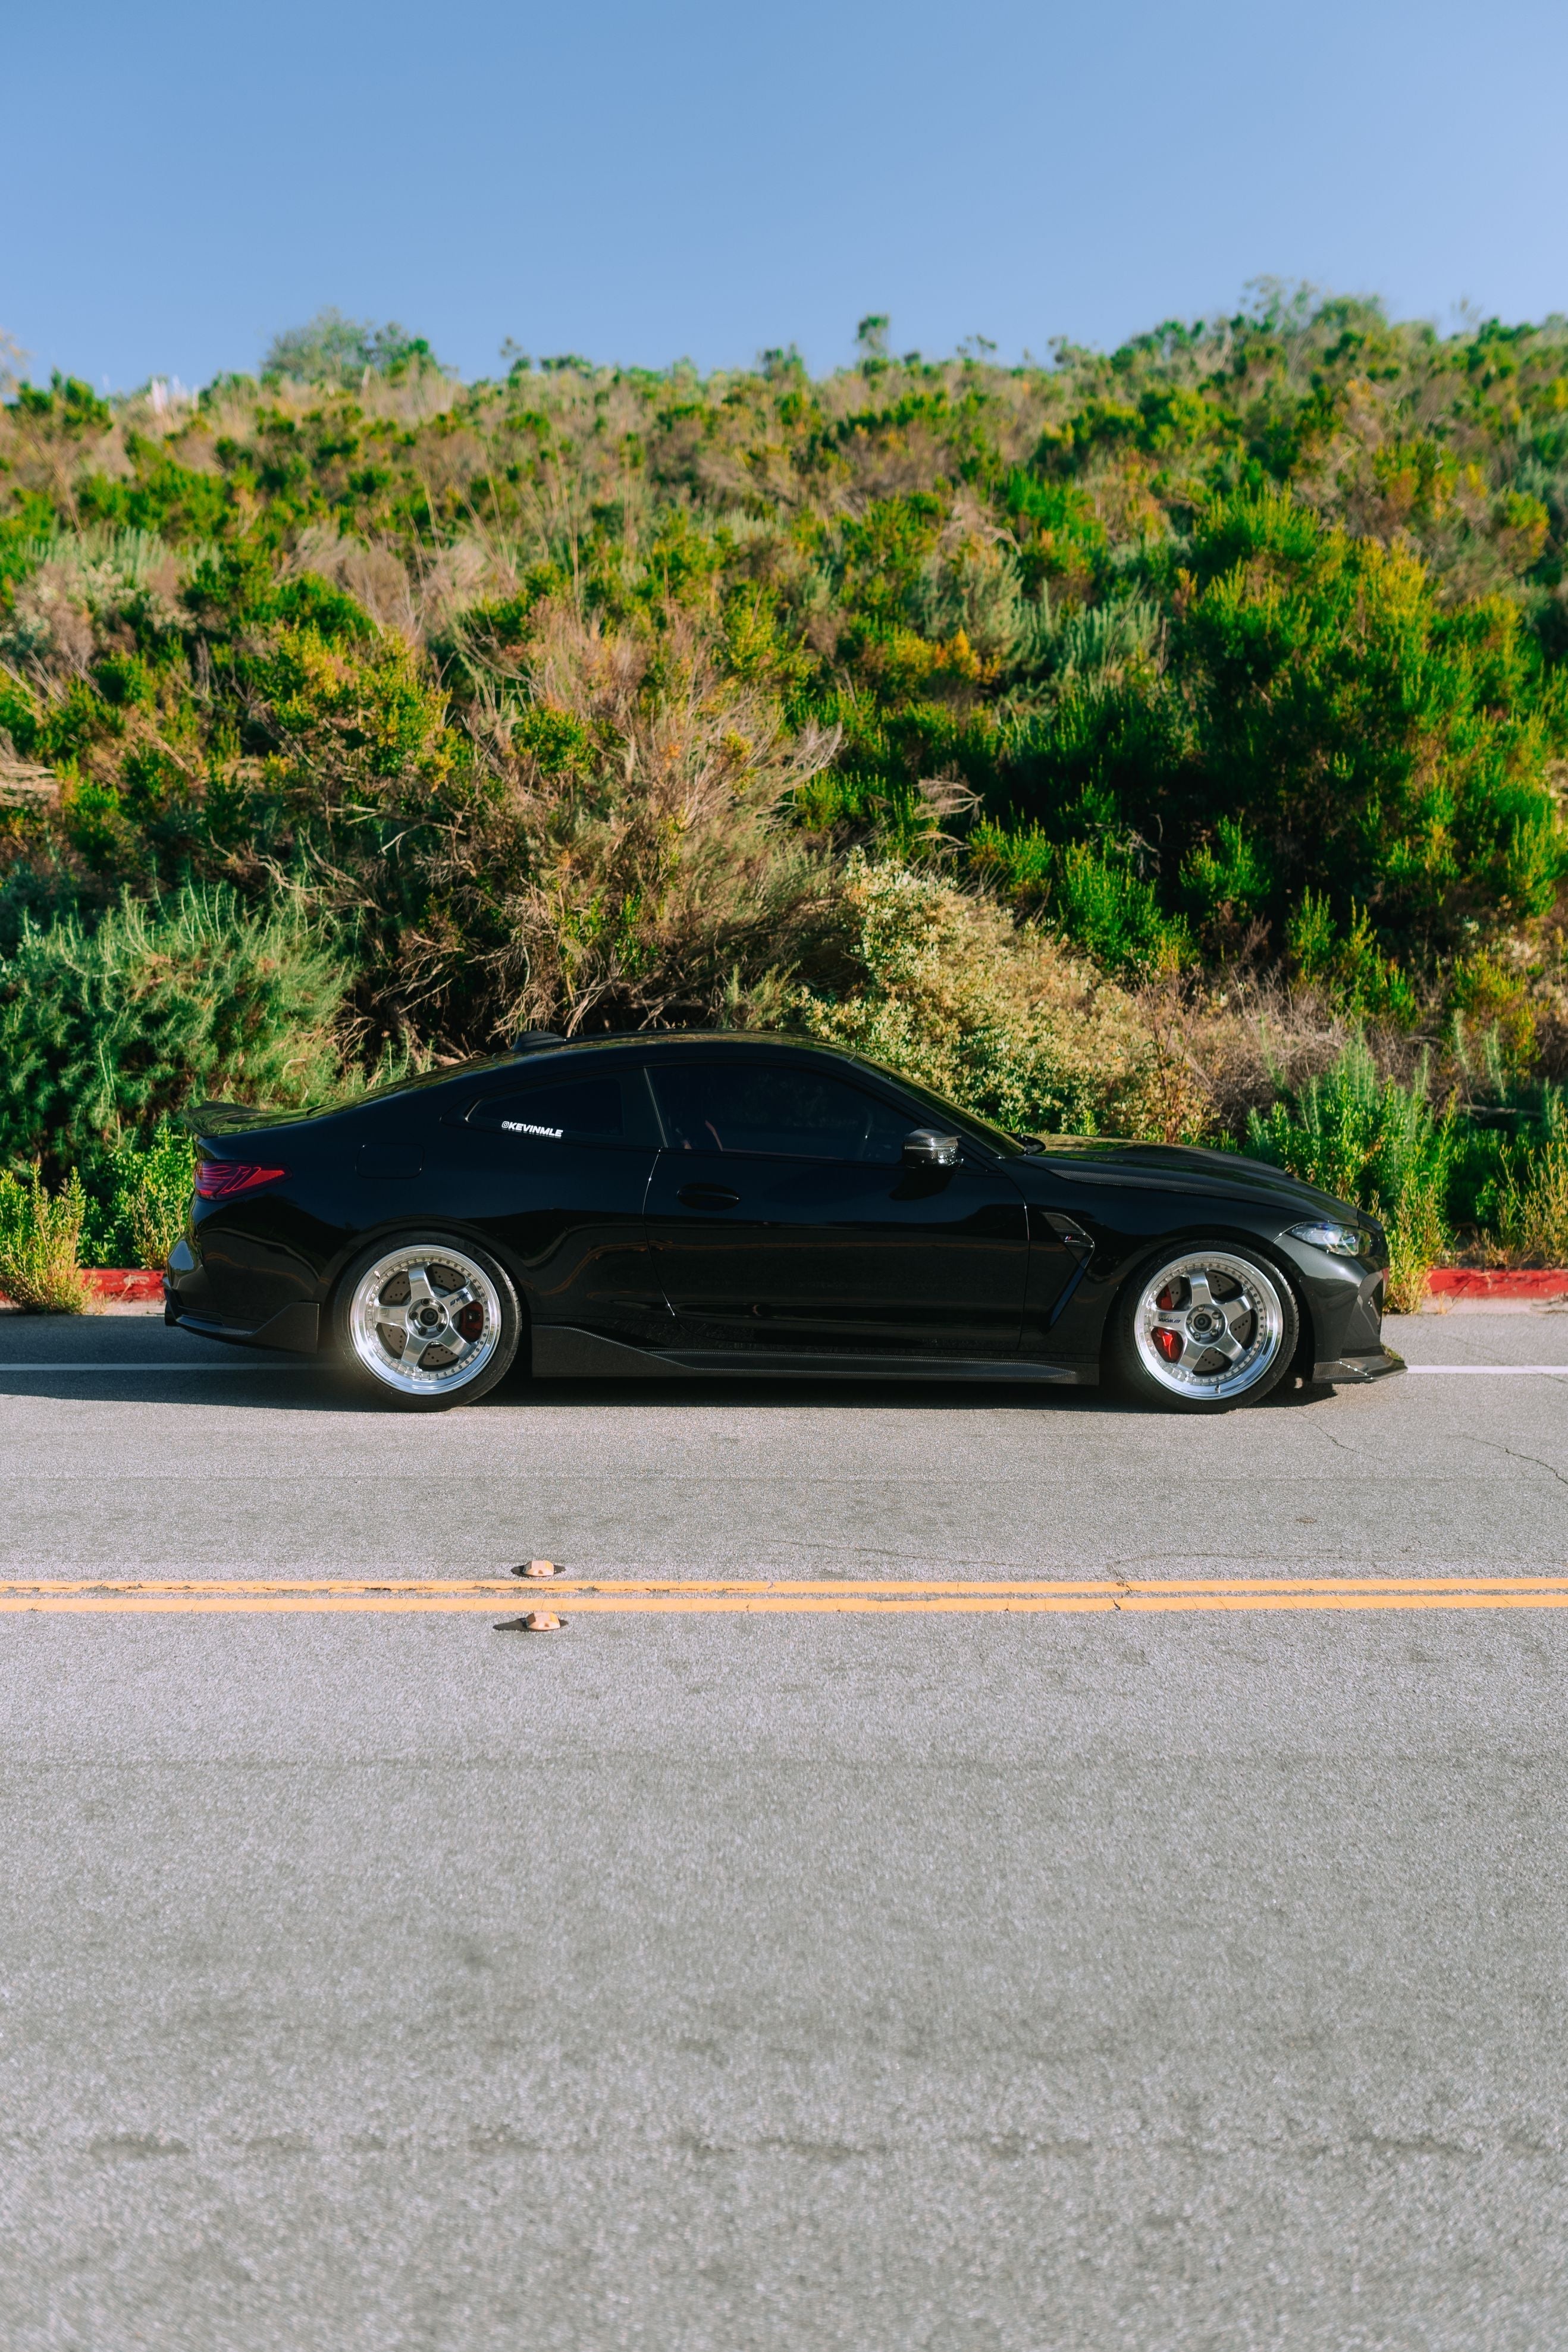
[926, 1147]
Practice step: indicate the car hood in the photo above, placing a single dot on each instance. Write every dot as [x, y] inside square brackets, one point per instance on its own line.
[1181, 1166]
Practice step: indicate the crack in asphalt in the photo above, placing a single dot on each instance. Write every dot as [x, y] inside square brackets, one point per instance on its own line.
[1516, 1457]
[1343, 1443]
[1491, 1445]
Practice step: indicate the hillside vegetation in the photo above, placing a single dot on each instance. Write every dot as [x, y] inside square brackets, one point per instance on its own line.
[1124, 741]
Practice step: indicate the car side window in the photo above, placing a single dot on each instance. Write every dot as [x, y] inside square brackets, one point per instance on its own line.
[573, 1110]
[779, 1108]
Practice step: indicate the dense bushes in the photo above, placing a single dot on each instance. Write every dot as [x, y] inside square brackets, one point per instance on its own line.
[1053, 733]
[1531, 1207]
[138, 1193]
[1378, 1144]
[1269, 605]
[40, 1244]
[161, 1001]
[999, 1018]
[125, 1205]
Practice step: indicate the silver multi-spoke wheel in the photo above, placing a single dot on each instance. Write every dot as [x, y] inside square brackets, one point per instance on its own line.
[1210, 1326]
[425, 1321]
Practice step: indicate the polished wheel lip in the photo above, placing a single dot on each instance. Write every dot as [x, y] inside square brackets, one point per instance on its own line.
[1253, 1357]
[367, 1318]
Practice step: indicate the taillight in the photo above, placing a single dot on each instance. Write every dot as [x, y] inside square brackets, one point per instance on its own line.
[220, 1180]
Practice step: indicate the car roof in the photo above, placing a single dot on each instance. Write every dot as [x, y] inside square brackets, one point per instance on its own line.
[667, 1041]
[666, 1044]
[655, 1045]
[533, 1061]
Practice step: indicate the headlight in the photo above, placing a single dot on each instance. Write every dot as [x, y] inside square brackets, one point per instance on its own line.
[1340, 1240]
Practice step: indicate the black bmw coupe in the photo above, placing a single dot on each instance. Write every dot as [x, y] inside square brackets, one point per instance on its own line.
[658, 1206]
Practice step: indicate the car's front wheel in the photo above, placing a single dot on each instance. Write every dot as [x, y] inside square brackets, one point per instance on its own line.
[1204, 1329]
[425, 1323]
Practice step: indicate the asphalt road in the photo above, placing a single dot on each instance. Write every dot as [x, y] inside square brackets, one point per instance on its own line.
[949, 1983]
[230, 1463]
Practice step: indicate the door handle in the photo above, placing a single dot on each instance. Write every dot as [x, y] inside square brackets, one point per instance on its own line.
[708, 1196]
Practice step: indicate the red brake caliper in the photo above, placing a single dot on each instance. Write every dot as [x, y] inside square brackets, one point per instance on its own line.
[1168, 1343]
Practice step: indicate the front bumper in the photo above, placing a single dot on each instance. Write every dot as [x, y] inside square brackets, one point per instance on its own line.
[1365, 1364]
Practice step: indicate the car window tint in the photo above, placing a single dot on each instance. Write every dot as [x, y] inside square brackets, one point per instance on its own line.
[585, 1111]
[776, 1107]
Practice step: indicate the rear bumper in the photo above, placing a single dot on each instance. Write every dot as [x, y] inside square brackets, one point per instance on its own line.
[1365, 1364]
[297, 1328]
[189, 1301]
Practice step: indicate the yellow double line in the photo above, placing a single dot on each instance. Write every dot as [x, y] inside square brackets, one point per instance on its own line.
[774, 1596]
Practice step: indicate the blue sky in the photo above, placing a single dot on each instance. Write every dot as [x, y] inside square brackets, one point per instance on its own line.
[688, 179]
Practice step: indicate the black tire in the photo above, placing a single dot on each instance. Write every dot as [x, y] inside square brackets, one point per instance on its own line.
[419, 1274]
[1203, 1329]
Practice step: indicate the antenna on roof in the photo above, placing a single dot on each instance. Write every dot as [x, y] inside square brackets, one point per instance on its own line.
[532, 1040]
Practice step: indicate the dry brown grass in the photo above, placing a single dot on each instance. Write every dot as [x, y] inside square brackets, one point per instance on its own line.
[630, 865]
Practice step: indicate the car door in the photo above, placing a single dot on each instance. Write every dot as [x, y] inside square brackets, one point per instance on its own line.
[563, 1161]
[782, 1218]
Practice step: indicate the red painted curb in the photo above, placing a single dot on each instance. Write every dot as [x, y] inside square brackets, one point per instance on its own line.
[1498, 1282]
[125, 1282]
[118, 1285]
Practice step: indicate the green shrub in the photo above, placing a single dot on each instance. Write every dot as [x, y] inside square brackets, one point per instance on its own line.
[139, 1190]
[1104, 905]
[1532, 1213]
[1099, 902]
[1379, 1145]
[1226, 882]
[1363, 983]
[1385, 748]
[329, 349]
[166, 1001]
[40, 1244]
[1525, 1202]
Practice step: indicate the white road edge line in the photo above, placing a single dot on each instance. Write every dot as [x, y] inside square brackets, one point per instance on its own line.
[1517, 1371]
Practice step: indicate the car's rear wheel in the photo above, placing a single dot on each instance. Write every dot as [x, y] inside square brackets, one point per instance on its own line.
[1204, 1329]
[426, 1322]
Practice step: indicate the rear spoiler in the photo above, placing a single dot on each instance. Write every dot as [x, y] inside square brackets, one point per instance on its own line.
[235, 1119]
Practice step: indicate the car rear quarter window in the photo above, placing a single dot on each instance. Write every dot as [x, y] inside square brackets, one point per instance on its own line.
[781, 1109]
[605, 1110]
